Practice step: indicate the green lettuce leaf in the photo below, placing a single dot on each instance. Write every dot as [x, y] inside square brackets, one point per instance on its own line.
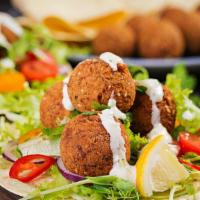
[187, 81]
[40, 37]
[98, 188]
[137, 142]
[20, 111]
[138, 72]
[53, 133]
[188, 114]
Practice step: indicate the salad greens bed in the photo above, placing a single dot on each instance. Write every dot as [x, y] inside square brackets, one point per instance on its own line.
[39, 37]
[20, 113]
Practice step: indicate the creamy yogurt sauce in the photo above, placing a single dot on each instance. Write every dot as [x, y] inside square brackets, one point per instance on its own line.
[120, 168]
[111, 59]
[66, 100]
[155, 93]
[160, 129]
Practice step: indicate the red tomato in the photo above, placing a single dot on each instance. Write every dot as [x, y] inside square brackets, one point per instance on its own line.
[190, 164]
[189, 143]
[38, 70]
[29, 167]
[41, 55]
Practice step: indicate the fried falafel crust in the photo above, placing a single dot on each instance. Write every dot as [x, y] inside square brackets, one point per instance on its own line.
[189, 24]
[161, 39]
[117, 39]
[93, 80]
[85, 146]
[52, 111]
[142, 110]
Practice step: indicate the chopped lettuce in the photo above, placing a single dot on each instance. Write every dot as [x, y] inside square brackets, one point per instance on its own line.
[6, 64]
[192, 158]
[138, 72]
[8, 132]
[40, 37]
[98, 106]
[53, 133]
[141, 89]
[185, 190]
[136, 141]
[187, 81]
[98, 188]
[45, 146]
[188, 114]
[20, 111]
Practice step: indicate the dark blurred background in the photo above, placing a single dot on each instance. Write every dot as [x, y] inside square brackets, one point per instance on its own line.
[160, 73]
[6, 6]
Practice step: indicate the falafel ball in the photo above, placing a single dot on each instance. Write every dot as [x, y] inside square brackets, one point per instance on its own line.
[85, 146]
[142, 110]
[189, 24]
[117, 39]
[52, 111]
[93, 80]
[161, 39]
[137, 23]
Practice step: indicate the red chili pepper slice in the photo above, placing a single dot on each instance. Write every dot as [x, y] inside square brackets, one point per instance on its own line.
[29, 167]
[189, 164]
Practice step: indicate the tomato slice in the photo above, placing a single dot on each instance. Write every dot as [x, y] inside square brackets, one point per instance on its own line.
[42, 55]
[189, 164]
[29, 167]
[189, 143]
[38, 70]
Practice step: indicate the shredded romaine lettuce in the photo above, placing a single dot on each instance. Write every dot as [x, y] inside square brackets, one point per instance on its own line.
[99, 188]
[20, 111]
[188, 114]
[187, 81]
[44, 146]
[185, 190]
[40, 37]
[138, 72]
[137, 142]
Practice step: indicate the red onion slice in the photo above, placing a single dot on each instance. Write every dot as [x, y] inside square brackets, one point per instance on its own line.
[67, 174]
[8, 152]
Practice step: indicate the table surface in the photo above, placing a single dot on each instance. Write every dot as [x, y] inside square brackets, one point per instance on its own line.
[5, 195]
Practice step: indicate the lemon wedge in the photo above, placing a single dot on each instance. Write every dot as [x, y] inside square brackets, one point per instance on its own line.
[158, 169]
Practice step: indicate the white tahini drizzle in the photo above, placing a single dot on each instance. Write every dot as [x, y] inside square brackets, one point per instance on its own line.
[66, 100]
[111, 59]
[120, 168]
[155, 93]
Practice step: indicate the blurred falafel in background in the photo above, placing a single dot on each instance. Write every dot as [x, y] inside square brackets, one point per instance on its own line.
[189, 24]
[160, 39]
[116, 39]
[171, 32]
